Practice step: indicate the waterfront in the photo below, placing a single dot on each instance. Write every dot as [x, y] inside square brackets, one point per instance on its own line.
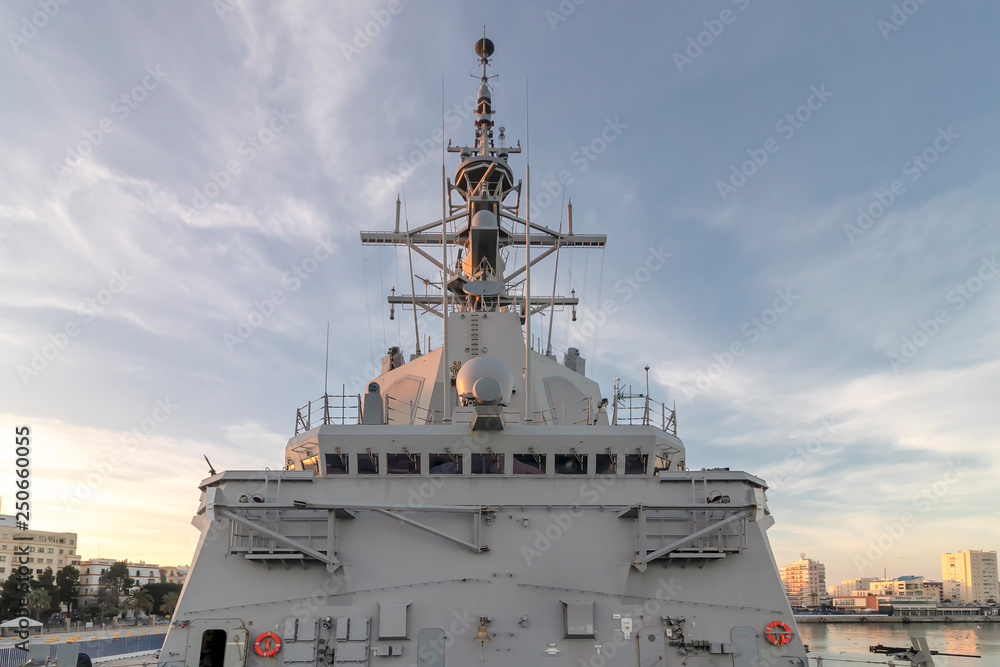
[850, 641]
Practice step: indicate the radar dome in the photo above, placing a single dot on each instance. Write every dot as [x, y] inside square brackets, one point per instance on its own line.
[498, 384]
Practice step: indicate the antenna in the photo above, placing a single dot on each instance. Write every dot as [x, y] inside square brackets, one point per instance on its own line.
[527, 262]
[211, 470]
[409, 257]
[445, 366]
[326, 371]
[555, 279]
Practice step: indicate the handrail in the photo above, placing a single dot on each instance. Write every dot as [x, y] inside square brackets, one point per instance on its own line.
[328, 409]
[639, 409]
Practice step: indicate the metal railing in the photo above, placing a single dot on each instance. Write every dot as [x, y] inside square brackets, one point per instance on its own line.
[340, 408]
[628, 409]
[95, 648]
[641, 410]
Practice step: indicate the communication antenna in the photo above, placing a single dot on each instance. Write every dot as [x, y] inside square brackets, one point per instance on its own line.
[409, 257]
[326, 365]
[555, 279]
[527, 262]
[445, 366]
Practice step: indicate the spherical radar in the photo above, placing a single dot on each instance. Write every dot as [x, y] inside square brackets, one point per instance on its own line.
[499, 380]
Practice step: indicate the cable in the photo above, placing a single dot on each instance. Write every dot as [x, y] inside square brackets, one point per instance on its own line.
[368, 308]
[600, 293]
[381, 279]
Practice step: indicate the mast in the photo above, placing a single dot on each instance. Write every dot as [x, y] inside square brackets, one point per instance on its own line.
[483, 202]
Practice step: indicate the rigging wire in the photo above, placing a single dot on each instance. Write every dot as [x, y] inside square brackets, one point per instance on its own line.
[600, 292]
[413, 291]
[381, 279]
[568, 317]
[395, 265]
[368, 308]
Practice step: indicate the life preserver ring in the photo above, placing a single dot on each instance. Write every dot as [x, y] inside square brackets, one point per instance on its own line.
[267, 644]
[778, 633]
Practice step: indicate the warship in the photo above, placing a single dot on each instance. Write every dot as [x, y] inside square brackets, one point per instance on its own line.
[481, 502]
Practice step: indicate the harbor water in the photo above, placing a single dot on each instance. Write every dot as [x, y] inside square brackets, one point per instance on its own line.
[846, 643]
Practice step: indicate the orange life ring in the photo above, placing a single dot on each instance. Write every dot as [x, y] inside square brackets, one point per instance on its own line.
[778, 633]
[267, 644]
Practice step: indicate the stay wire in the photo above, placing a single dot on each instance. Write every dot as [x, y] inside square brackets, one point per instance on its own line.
[368, 308]
[381, 278]
[597, 329]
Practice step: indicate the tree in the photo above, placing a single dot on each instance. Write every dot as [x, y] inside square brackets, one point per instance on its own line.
[115, 583]
[46, 581]
[38, 602]
[139, 601]
[159, 591]
[68, 582]
[169, 602]
[10, 597]
[98, 612]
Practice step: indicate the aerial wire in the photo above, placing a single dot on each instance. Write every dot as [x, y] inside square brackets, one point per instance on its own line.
[445, 368]
[368, 308]
[413, 289]
[527, 261]
[600, 292]
[395, 266]
[381, 283]
[555, 278]
[326, 372]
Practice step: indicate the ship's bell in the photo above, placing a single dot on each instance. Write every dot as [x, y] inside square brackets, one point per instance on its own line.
[482, 635]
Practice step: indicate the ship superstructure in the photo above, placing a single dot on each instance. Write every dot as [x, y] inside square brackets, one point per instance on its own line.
[481, 503]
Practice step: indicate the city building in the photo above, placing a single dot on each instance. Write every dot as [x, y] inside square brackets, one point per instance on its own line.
[92, 569]
[970, 576]
[805, 582]
[902, 588]
[174, 574]
[851, 587]
[935, 589]
[855, 604]
[45, 548]
[914, 607]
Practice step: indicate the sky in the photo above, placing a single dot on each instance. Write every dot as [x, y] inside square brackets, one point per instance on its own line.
[184, 184]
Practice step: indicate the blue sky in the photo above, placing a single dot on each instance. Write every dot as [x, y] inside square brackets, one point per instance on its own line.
[823, 176]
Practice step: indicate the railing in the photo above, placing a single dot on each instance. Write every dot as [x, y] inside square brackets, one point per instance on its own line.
[398, 411]
[629, 409]
[95, 648]
[330, 409]
[641, 410]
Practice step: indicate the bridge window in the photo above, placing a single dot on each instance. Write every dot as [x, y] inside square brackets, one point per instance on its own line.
[444, 464]
[529, 464]
[635, 464]
[487, 464]
[336, 464]
[402, 464]
[311, 463]
[571, 464]
[607, 464]
[368, 464]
